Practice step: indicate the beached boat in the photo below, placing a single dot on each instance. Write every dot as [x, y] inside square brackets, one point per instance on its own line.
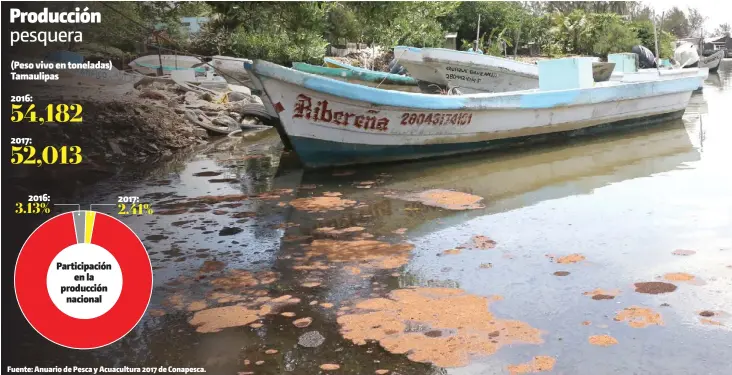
[329, 122]
[149, 64]
[369, 78]
[474, 73]
[232, 69]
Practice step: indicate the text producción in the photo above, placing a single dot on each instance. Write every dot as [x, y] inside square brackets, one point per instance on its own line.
[321, 113]
[45, 17]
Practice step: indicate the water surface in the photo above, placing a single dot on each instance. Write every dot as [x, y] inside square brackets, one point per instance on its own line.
[624, 202]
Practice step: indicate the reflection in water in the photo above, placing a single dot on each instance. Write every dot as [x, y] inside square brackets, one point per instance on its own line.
[626, 203]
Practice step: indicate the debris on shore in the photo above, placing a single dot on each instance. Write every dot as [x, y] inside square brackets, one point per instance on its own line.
[132, 122]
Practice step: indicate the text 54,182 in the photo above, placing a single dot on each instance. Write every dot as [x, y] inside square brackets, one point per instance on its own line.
[60, 113]
[47, 155]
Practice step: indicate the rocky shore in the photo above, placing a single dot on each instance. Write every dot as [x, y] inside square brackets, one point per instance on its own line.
[134, 122]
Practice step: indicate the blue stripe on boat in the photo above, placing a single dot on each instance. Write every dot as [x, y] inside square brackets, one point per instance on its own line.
[316, 153]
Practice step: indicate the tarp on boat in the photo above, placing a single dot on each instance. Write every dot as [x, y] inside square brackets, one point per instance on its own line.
[646, 59]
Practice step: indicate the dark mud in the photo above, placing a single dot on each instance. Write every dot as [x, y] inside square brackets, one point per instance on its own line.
[654, 287]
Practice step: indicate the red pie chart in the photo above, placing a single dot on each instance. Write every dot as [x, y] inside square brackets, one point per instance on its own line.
[83, 279]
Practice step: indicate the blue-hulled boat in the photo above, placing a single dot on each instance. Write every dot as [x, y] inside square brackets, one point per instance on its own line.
[332, 123]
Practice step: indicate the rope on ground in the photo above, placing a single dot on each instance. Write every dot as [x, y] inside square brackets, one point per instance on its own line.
[231, 135]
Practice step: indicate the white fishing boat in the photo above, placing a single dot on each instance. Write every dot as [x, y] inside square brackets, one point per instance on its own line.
[626, 70]
[149, 64]
[470, 72]
[232, 69]
[208, 81]
[330, 122]
[475, 73]
[687, 54]
[712, 61]
[104, 77]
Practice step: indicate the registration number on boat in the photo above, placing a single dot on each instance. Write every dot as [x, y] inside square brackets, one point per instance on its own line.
[436, 118]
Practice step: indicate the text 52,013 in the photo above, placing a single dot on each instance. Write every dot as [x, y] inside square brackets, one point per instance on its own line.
[47, 155]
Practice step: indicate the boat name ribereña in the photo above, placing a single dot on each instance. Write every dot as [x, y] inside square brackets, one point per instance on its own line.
[321, 113]
[436, 118]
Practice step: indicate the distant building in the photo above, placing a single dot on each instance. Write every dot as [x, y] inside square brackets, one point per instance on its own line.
[717, 42]
[193, 24]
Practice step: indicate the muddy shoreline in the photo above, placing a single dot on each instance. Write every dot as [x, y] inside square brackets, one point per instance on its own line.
[553, 260]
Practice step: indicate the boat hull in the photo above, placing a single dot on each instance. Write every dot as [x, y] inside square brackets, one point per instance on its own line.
[378, 134]
[332, 123]
[232, 69]
[316, 153]
[149, 64]
[712, 62]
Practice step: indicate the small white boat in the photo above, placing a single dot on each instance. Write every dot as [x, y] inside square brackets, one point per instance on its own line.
[687, 54]
[232, 69]
[712, 61]
[470, 72]
[331, 123]
[207, 81]
[626, 70]
[149, 64]
[475, 73]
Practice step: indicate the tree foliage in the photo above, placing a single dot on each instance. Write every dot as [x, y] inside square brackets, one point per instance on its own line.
[284, 32]
[723, 29]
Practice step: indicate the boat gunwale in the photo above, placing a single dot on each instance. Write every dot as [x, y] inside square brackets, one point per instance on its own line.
[378, 77]
[527, 99]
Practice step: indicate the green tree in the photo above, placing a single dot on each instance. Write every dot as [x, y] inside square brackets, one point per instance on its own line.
[644, 31]
[281, 32]
[343, 24]
[723, 29]
[495, 16]
[393, 23]
[676, 23]
[616, 37]
[696, 22]
[572, 31]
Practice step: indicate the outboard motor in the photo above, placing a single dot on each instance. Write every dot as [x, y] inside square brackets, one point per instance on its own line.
[646, 60]
[686, 55]
[395, 68]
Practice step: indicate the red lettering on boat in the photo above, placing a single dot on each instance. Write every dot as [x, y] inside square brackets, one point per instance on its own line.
[321, 113]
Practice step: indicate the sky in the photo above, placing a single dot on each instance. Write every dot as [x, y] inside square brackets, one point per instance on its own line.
[718, 11]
